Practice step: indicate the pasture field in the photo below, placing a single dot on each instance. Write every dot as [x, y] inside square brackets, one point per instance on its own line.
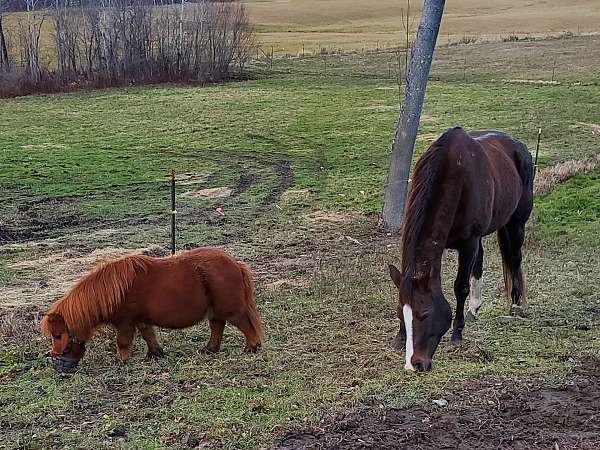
[355, 24]
[299, 158]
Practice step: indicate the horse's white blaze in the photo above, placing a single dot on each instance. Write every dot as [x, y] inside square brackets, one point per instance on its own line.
[408, 326]
[475, 295]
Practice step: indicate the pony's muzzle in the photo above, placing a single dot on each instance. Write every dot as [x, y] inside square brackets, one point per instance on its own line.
[65, 364]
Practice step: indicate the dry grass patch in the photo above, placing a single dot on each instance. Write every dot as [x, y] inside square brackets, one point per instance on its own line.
[549, 177]
[60, 271]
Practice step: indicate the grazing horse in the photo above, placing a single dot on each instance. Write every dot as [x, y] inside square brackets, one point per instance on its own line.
[464, 187]
[140, 292]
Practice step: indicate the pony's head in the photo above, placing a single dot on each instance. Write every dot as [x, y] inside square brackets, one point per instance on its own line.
[425, 316]
[67, 349]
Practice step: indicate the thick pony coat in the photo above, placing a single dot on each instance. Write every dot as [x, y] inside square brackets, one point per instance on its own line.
[140, 292]
[96, 297]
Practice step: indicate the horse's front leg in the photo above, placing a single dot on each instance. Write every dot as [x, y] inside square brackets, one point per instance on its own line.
[399, 340]
[125, 333]
[466, 257]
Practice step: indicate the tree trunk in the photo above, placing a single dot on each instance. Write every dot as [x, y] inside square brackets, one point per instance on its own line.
[408, 124]
[4, 61]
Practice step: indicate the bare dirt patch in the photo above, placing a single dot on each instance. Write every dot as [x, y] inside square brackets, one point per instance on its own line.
[217, 192]
[485, 414]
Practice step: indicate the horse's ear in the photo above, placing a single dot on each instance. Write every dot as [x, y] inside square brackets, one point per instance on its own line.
[395, 275]
[50, 320]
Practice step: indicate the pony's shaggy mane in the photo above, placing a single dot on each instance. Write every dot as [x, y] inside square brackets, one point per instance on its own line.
[424, 183]
[94, 298]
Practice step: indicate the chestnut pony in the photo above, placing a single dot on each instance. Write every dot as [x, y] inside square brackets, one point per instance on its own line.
[140, 292]
[465, 186]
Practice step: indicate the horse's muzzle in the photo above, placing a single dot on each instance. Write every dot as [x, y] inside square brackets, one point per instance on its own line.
[65, 364]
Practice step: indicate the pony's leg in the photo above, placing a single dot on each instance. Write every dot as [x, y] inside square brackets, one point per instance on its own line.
[475, 285]
[125, 333]
[216, 335]
[147, 332]
[252, 340]
[466, 257]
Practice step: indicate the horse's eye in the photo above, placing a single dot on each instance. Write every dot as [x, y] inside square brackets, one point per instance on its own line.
[423, 315]
[56, 336]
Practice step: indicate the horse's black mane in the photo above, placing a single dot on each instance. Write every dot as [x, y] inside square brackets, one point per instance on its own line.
[424, 184]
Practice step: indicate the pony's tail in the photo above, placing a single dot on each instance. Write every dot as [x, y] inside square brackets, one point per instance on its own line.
[250, 304]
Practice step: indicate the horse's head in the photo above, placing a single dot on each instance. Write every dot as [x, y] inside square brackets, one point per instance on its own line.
[424, 314]
[67, 349]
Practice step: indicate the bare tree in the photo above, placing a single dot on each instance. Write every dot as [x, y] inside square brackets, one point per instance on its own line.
[408, 124]
[4, 58]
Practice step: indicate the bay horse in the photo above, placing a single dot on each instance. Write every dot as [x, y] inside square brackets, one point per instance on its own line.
[139, 292]
[464, 187]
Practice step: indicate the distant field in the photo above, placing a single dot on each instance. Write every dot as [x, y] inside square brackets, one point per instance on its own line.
[353, 24]
[292, 27]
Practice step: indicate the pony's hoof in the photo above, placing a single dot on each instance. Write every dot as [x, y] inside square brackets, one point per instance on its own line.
[155, 355]
[470, 317]
[253, 349]
[208, 351]
[517, 311]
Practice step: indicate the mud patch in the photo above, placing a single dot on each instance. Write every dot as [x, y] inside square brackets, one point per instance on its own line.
[482, 415]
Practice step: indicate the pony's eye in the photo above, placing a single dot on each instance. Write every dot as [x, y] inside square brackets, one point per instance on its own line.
[56, 336]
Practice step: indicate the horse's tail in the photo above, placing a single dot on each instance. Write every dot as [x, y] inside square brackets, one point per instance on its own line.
[250, 303]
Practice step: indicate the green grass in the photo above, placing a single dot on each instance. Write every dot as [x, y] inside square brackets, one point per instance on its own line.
[75, 165]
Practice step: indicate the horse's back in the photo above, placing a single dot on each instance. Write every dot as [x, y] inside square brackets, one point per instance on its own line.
[492, 168]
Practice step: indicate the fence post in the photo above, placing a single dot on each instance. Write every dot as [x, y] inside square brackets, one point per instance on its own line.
[537, 150]
[553, 69]
[325, 62]
[173, 212]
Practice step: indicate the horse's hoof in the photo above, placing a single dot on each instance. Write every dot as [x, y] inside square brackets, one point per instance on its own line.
[470, 317]
[517, 311]
[455, 340]
[254, 349]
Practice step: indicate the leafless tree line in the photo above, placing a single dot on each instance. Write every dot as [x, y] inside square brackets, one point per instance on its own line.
[111, 42]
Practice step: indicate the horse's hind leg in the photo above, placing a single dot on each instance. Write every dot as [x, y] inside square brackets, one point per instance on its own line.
[252, 339]
[475, 284]
[216, 335]
[147, 332]
[466, 257]
[511, 239]
[125, 333]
